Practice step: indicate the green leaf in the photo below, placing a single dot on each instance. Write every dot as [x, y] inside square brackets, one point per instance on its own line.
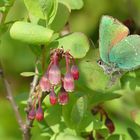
[3, 29]
[78, 111]
[6, 2]
[76, 43]
[36, 49]
[137, 99]
[49, 9]
[46, 130]
[53, 118]
[24, 102]
[2, 9]
[133, 134]
[30, 33]
[34, 8]
[27, 74]
[116, 137]
[67, 109]
[46, 135]
[103, 132]
[74, 4]
[2, 2]
[61, 17]
[44, 9]
[54, 12]
[66, 136]
[87, 123]
[131, 80]
[97, 98]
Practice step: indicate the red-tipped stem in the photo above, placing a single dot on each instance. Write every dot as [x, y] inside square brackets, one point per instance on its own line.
[75, 72]
[53, 97]
[63, 97]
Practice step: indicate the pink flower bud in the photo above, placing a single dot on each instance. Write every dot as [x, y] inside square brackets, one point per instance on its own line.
[32, 114]
[75, 72]
[54, 74]
[68, 82]
[45, 84]
[53, 97]
[39, 114]
[63, 98]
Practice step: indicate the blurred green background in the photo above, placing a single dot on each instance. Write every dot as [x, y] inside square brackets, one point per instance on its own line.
[17, 57]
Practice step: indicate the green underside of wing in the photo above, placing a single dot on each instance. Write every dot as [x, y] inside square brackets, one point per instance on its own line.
[111, 32]
[126, 53]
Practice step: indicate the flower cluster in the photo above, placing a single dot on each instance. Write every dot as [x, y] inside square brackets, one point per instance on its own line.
[36, 111]
[53, 78]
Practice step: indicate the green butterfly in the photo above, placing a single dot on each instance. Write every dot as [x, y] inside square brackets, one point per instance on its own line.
[118, 51]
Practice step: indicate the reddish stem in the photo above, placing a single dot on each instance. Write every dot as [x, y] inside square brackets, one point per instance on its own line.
[49, 68]
[71, 57]
[34, 103]
[67, 62]
[55, 58]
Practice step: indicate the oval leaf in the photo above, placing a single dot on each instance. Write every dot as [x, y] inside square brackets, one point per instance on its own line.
[74, 4]
[27, 74]
[102, 97]
[44, 9]
[133, 134]
[61, 17]
[65, 136]
[34, 8]
[116, 137]
[66, 111]
[77, 43]
[30, 33]
[79, 110]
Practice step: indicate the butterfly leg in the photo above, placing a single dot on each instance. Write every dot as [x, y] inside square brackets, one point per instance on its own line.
[114, 77]
[112, 81]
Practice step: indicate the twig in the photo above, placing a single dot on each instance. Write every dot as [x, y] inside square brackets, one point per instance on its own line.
[12, 101]
[66, 30]
[29, 123]
[43, 57]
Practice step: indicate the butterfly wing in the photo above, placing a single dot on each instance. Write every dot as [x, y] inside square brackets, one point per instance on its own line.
[126, 53]
[110, 33]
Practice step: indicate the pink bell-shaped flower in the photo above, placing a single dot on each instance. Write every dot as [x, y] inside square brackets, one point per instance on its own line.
[32, 114]
[45, 84]
[63, 97]
[54, 74]
[53, 97]
[75, 72]
[68, 82]
[39, 114]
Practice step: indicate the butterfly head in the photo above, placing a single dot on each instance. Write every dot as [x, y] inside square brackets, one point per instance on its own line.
[100, 62]
[108, 69]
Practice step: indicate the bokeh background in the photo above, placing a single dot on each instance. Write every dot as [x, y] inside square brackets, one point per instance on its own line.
[17, 57]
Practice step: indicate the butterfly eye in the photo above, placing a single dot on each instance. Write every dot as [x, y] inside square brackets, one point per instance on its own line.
[99, 62]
